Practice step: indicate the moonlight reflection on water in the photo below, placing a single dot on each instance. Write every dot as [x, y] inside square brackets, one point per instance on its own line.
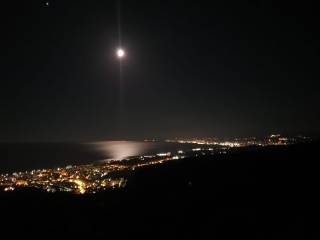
[118, 150]
[28, 156]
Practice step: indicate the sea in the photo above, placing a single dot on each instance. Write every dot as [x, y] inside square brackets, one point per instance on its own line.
[28, 156]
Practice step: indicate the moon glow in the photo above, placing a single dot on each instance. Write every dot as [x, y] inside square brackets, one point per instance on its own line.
[120, 53]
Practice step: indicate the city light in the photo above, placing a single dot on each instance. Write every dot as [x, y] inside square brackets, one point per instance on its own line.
[164, 154]
[95, 177]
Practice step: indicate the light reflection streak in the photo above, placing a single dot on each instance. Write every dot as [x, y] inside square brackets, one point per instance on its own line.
[119, 150]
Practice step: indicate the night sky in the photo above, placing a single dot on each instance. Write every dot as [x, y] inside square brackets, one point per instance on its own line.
[193, 68]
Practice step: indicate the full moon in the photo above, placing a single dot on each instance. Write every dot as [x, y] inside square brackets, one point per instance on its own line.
[120, 53]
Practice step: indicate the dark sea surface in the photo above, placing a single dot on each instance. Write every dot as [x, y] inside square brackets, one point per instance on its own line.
[27, 156]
